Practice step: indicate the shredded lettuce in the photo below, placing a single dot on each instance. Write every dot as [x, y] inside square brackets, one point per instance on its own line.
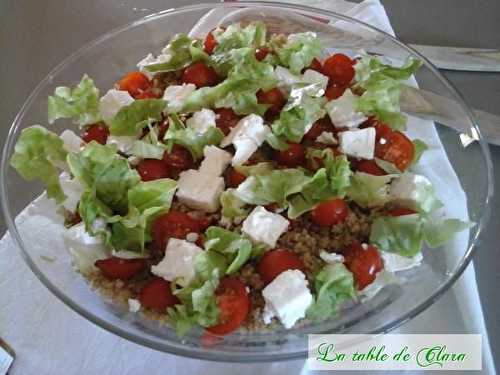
[235, 36]
[80, 103]
[130, 119]
[420, 147]
[38, 155]
[231, 206]
[149, 147]
[368, 190]
[298, 51]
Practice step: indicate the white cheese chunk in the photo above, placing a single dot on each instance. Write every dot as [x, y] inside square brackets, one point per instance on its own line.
[134, 305]
[264, 227]
[178, 262]
[201, 121]
[215, 162]
[395, 262]
[112, 102]
[246, 136]
[125, 254]
[358, 143]
[73, 190]
[314, 77]
[71, 142]
[382, 279]
[287, 298]
[331, 257]
[342, 111]
[409, 189]
[124, 143]
[285, 78]
[200, 191]
[327, 138]
[176, 95]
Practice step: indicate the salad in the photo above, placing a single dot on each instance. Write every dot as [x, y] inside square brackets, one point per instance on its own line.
[243, 181]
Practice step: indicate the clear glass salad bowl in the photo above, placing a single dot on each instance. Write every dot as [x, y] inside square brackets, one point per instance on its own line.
[113, 54]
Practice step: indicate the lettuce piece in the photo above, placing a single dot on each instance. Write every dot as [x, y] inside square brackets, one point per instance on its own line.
[439, 231]
[333, 284]
[179, 53]
[387, 166]
[132, 118]
[234, 36]
[368, 190]
[177, 133]
[298, 52]
[92, 210]
[149, 147]
[38, 154]
[231, 206]
[370, 68]
[80, 103]
[420, 147]
[208, 262]
[259, 168]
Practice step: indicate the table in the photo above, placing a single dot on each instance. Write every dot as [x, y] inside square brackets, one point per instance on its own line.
[36, 35]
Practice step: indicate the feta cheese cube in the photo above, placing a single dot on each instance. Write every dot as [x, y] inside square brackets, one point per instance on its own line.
[112, 102]
[73, 191]
[395, 262]
[286, 80]
[134, 305]
[215, 162]
[124, 143]
[409, 190]
[201, 121]
[358, 143]
[314, 77]
[327, 138]
[342, 111]
[200, 191]
[287, 298]
[178, 262]
[331, 257]
[176, 95]
[246, 136]
[71, 142]
[264, 227]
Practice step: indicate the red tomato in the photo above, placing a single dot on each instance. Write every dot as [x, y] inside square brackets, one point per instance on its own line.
[369, 166]
[316, 65]
[320, 126]
[175, 224]
[277, 261]
[235, 178]
[364, 262]
[394, 146]
[294, 156]
[339, 68]
[210, 43]
[178, 160]
[135, 83]
[274, 97]
[401, 211]
[200, 74]
[226, 119]
[118, 268]
[330, 212]
[152, 169]
[157, 295]
[95, 132]
[234, 305]
[335, 91]
[261, 53]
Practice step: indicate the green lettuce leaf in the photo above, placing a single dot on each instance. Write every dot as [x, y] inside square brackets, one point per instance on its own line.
[91, 209]
[370, 68]
[132, 118]
[439, 231]
[234, 37]
[208, 262]
[231, 206]
[80, 103]
[298, 51]
[38, 155]
[420, 147]
[149, 147]
[387, 166]
[259, 168]
[368, 190]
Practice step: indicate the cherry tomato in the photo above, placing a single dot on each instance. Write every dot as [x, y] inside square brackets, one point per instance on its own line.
[118, 268]
[277, 261]
[210, 43]
[394, 146]
[152, 169]
[330, 212]
[335, 91]
[95, 132]
[370, 167]
[235, 178]
[274, 97]
[135, 83]
[226, 119]
[157, 295]
[364, 262]
[234, 305]
[200, 74]
[261, 53]
[315, 65]
[178, 160]
[320, 126]
[339, 68]
[400, 211]
[294, 156]
[175, 224]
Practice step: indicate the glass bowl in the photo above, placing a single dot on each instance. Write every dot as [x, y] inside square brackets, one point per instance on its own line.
[117, 52]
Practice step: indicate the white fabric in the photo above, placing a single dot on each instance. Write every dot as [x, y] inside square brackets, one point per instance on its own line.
[48, 338]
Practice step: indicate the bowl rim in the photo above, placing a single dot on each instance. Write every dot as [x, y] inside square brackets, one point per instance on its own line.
[198, 353]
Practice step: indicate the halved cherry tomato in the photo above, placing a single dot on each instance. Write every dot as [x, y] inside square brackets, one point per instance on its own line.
[277, 261]
[157, 295]
[274, 97]
[364, 262]
[394, 146]
[235, 178]
[135, 83]
[330, 212]
[175, 224]
[401, 211]
[315, 65]
[200, 74]
[370, 167]
[152, 169]
[339, 68]
[261, 53]
[226, 119]
[210, 43]
[95, 132]
[335, 91]
[320, 126]
[178, 159]
[234, 305]
[294, 156]
[118, 268]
